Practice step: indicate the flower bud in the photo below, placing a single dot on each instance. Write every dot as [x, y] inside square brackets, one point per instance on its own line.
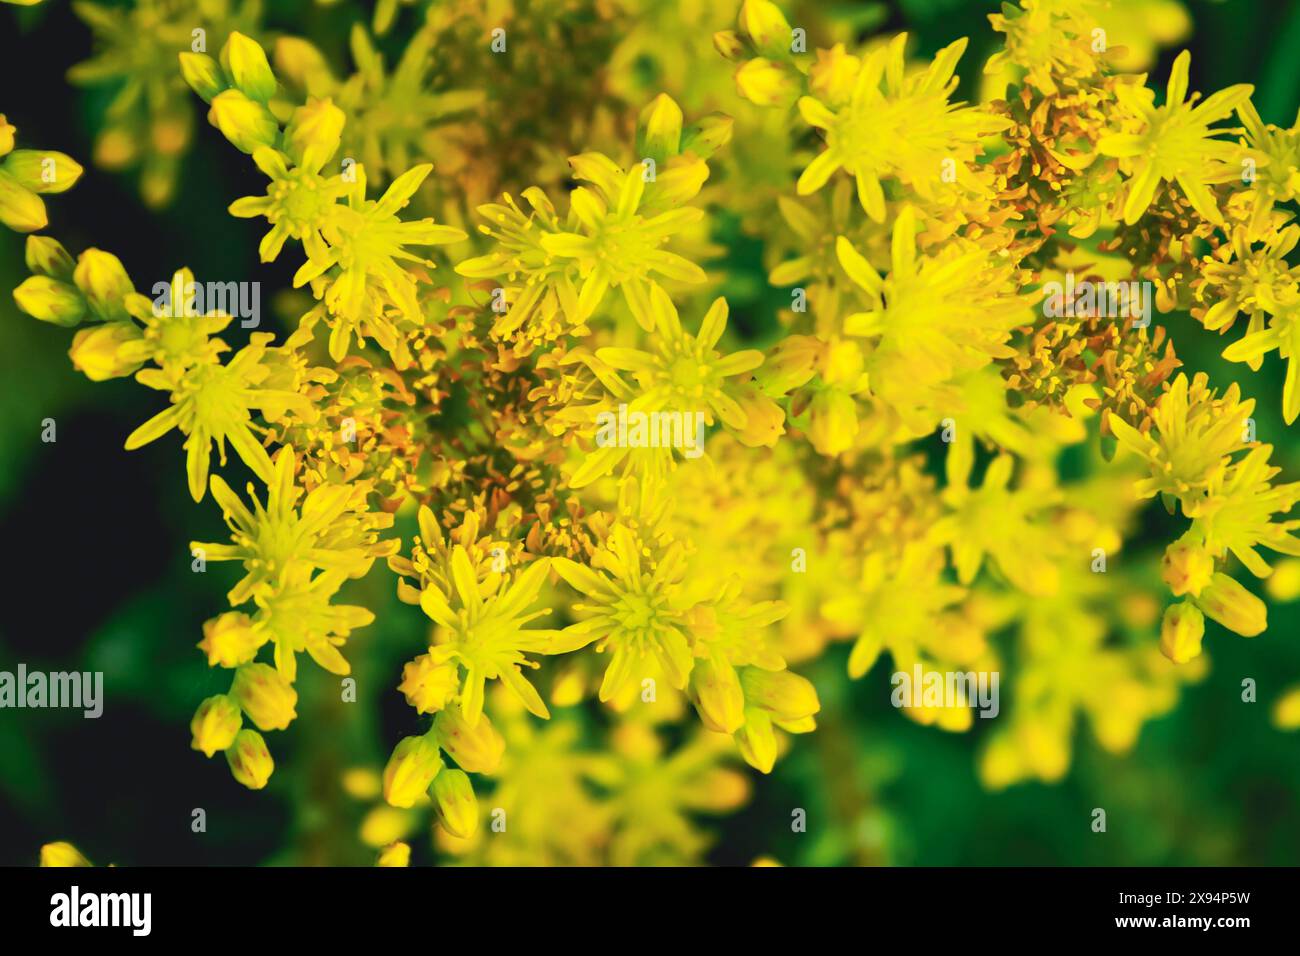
[708, 135]
[477, 749]
[43, 171]
[62, 854]
[20, 208]
[660, 128]
[215, 725]
[412, 767]
[7, 133]
[244, 61]
[764, 418]
[715, 687]
[786, 695]
[1228, 602]
[301, 64]
[395, 854]
[46, 256]
[765, 26]
[1186, 568]
[455, 803]
[246, 123]
[314, 133]
[267, 698]
[834, 421]
[229, 639]
[102, 279]
[94, 350]
[728, 44]
[757, 740]
[1181, 632]
[203, 74]
[428, 686]
[790, 364]
[250, 761]
[765, 83]
[50, 301]
[1286, 711]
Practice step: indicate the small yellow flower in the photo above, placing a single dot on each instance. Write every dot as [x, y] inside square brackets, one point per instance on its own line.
[1175, 142]
[215, 724]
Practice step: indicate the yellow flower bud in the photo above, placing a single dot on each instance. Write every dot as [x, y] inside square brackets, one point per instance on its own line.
[787, 696]
[757, 740]
[715, 688]
[7, 134]
[244, 61]
[20, 208]
[302, 64]
[230, 640]
[708, 135]
[832, 78]
[246, 123]
[250, 761]
[1228, 602]
[455, 803]
[203, 74]
[412, 767]
[1286, 711]
[1181, 632]
[314, 132]
[764, 418]
[102, 279]
[265, 696]
[1186, 568]
[477, 749]
[50, 300]
[47, 257]
[765, 83]
[833, 421]
[763, 23]
[395, 854]
[728, 44]
[43, 171]
[94, 351]
[215, 724]
[62, 854]
[428, 686]
[659, 133]
[791, 364]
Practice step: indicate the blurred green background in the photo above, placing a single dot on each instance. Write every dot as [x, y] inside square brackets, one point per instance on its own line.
[97, 577]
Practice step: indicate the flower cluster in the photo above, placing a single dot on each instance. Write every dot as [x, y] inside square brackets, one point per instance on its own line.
[629, 495]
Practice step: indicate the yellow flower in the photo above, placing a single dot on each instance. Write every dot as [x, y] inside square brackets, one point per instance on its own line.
[898, 126]
[618, 245]
[366, 241]
[934, 316]
[214, 403]
[487, 637]
[1175, 142]
[332, 529]
[1193, 435]
[632, 607]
